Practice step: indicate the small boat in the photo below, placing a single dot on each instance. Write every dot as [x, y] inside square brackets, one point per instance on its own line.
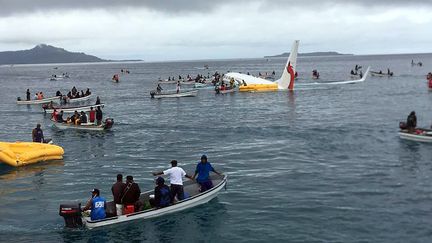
[225, 91]
[58, 77]
[75, 100]
[174, 94]
[74, 219]
[381, 74]
[37, 102]
[72, 109]
[419, 135]
[24, 153]
[200, 85]
[109, 122]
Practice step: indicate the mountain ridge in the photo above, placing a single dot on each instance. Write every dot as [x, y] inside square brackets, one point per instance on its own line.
[43, 53]
[312, 54]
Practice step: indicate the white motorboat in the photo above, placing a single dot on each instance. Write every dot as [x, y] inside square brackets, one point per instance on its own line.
[58, 77]
[38, 102]
[174, 94]
[419, 135]
[109, 122]
[226, 91]
[200, 85]
[381, 74]
[76, 100]
[72, 109]
[74, 218]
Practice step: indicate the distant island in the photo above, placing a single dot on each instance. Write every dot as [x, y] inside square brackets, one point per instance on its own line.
[312, 54]
[43, 53]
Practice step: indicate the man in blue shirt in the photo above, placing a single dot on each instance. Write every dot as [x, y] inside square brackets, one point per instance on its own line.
[203, 169]
[97, 205]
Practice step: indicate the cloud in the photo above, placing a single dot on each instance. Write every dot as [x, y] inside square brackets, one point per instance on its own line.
[9, 7]
[253, 28]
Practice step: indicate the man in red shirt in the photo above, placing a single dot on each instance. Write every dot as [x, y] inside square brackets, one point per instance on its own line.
[92, 115]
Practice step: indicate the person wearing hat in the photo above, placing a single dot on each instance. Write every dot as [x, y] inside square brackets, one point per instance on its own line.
[176, 175]
[97, 205]
[37, 134]
[203, 169]
[162, 194]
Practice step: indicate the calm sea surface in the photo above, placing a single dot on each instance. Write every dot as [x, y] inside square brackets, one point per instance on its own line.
[322, 164]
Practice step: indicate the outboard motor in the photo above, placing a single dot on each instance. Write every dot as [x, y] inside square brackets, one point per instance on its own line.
[109, 122]
[403, 125]
[71, 214]
[152, 94]
[18, 98]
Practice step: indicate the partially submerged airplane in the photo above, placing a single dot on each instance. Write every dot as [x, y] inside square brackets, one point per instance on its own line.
[285, 82]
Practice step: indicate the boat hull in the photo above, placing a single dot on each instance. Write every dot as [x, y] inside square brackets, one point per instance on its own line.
[425, 137]
[38, 102]
[192, 93]
[375, 74]
[73, 109]
[83, 127]
[76, 100]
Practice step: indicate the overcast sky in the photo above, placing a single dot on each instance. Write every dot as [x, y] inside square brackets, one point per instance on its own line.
[157, 30]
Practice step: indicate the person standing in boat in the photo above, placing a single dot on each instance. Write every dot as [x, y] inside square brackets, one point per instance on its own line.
[97, 205]
[37, 134]
[117, 190]
[98, 101]
[411, 121]
[92, 115]
[159, 89]
[131, 195]
[99, 116]
[176, 175]
[87, 93]
[178, 87]
[203, 169]
[28, 94]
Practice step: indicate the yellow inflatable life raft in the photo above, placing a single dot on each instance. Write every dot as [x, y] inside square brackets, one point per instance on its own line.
[24, 153]
[258, 87]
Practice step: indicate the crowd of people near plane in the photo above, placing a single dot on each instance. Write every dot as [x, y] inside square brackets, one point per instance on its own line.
[127, 195]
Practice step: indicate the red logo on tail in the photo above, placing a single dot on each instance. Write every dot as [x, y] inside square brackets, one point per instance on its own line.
[291, 72]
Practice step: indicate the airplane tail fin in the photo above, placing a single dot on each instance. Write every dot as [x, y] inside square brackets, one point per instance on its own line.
[287, 79]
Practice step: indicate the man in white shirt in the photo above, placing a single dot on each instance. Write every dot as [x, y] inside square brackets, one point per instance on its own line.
[176, 175]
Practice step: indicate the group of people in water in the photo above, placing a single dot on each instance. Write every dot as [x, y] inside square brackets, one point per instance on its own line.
[357, 71]
[127, 195]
